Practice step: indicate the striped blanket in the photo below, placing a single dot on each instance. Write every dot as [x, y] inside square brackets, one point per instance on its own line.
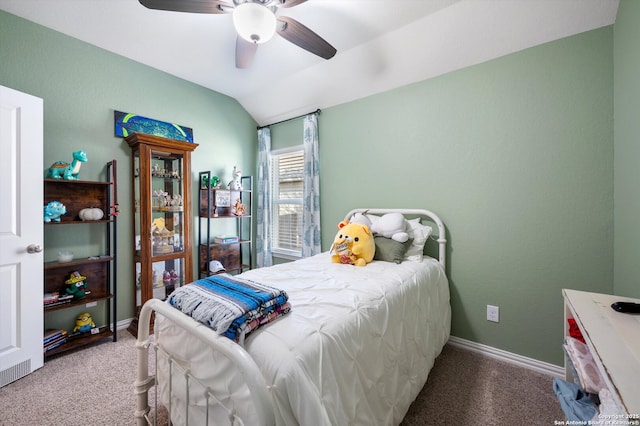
[230, 305]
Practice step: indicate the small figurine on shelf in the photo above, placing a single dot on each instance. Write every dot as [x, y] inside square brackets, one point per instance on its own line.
[166, 202]
[76, 285]
[161, 237]
[53, 211]
[236, 183]
[174, 277]
[176, 202]
[239, 209]
[84, 323]
[162, 198]
[65, 170]
[166, 278]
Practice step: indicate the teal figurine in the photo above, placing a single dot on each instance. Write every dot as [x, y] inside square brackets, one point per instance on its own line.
[53, 211]
[65, 170]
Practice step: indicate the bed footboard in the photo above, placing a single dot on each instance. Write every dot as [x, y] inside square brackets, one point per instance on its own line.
[251, 375]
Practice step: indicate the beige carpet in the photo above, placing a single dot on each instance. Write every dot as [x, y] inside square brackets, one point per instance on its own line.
[95, 387]
[467, 388]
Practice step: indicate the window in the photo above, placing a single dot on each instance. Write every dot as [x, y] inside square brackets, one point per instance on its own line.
[287, 172]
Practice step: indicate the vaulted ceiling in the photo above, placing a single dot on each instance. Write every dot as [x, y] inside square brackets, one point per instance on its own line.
[381, 44]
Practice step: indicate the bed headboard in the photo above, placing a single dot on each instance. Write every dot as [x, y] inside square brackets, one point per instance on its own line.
[431, 217]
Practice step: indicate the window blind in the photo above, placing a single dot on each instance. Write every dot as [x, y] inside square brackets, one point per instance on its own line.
[287, 177]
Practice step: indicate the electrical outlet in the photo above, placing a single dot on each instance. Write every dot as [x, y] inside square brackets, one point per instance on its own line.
[493, 313]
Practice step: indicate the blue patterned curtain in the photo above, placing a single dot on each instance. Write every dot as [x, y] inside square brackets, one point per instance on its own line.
[263, 234]
[311, 201]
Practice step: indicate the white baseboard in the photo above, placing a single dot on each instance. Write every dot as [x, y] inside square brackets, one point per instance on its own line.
[511, 358]
[123, 324]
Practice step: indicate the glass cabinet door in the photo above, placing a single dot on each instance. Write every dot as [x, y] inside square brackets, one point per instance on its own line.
[166, 276]
[161, 220]
[164, 237]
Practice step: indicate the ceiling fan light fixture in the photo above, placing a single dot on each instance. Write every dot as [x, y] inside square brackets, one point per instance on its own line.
[254, 22]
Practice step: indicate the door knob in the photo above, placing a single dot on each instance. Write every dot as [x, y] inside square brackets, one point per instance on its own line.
[34, 248]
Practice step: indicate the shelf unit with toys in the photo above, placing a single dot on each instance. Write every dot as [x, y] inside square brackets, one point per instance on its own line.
[83, 284]
[227, 211]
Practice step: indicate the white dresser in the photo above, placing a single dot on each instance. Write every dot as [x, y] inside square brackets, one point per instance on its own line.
[614, 341]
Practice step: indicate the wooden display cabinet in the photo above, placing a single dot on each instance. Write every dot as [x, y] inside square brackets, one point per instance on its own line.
[161, 174]
[99, 268]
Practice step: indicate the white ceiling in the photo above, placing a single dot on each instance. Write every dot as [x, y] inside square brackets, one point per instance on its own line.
[382, 44]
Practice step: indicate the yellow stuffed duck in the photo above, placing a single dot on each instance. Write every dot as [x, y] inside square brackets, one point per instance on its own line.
[353, 244]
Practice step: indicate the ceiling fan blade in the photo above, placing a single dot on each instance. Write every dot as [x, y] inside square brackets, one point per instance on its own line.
[290, 3]
[245, 51]
[192, 6]
[303, 37]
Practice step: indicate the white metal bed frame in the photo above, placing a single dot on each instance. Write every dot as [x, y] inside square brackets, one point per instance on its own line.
[235, 353]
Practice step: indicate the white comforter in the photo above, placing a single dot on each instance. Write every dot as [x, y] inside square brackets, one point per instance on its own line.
[355, 349]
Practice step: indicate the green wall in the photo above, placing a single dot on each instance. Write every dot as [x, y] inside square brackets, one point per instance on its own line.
[627, 149]
[82, 85]
[516, 155]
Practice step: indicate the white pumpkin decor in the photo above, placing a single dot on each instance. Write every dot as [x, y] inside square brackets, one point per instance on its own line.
[92, 213]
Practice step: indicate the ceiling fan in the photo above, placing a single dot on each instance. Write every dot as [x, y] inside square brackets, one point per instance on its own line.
[256, 22]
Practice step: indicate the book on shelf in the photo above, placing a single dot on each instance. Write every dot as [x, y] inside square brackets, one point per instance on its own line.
[53, 333]
[54, 299]
[54, 342]
[54, 345]
[226, 239]
[51, 297]
[54, 338]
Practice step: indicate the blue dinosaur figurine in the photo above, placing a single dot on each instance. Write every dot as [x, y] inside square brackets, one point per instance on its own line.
[53, 211]
[68, 171]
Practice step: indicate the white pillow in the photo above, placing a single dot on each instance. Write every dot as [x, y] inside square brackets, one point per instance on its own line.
[419, 233]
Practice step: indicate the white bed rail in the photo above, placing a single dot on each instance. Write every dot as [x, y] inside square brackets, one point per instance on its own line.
[239, 357]
[442, 236]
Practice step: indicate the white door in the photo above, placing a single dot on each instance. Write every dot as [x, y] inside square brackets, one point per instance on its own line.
[21, 235]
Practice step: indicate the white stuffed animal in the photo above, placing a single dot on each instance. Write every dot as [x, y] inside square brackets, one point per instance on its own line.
[236, 183]
[361, 218]
[390, 225]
